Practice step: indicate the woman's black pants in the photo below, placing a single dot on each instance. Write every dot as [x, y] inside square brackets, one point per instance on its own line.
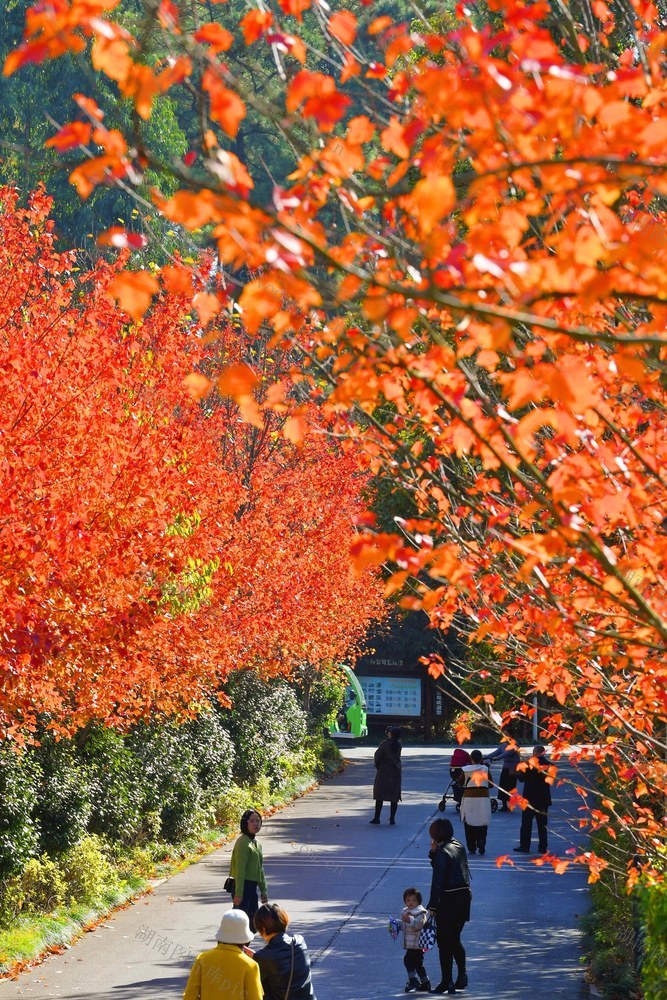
[249, 902]
[450, 949]
[506, 784]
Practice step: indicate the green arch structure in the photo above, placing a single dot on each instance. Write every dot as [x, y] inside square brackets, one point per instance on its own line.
[355, 710]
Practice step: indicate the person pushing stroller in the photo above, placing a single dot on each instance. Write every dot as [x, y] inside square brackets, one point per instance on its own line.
[476, 804]
[460, 758]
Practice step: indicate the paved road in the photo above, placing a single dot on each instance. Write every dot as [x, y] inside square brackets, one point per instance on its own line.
[340, 879]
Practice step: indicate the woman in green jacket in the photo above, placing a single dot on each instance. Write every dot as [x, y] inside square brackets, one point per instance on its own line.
[247, 866]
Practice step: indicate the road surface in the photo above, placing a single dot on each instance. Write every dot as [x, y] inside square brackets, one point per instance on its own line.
[340, 879]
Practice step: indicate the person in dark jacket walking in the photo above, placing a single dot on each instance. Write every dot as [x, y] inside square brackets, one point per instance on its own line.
[537, 791]
[284, 964]
[450, 902]
[511, 757]
[387, 784]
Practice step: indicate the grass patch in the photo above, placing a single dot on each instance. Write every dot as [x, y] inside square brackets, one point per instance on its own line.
[35, 936]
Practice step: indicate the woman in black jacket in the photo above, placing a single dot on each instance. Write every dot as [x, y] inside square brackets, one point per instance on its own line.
[450, 902]
[284, 964]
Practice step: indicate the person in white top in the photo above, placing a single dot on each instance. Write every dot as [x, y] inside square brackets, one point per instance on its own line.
[476, 804]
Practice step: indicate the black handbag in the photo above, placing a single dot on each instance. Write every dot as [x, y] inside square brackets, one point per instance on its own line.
[230, 885]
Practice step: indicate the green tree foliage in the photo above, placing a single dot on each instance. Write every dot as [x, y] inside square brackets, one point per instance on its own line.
[19, 833]
[64, 795]
[160, 781]
[118, 808]
[322, 694]
[267, 726]
[33, 104]
[654, 958]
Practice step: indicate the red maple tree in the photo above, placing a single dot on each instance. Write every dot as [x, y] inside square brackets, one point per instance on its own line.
[138, 567]
[492, 302]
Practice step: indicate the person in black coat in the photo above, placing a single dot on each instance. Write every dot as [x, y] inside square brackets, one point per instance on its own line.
[284, 964]
[387, 784]
[538, 793]
[449, 900]
[511, 757]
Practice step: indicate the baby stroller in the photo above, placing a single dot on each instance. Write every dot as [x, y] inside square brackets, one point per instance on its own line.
[455, 788]
[457, 785]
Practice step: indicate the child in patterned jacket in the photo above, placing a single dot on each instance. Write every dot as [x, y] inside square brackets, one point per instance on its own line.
[413, 918]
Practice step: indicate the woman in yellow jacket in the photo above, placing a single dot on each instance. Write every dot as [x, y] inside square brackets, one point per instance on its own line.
[228, 970]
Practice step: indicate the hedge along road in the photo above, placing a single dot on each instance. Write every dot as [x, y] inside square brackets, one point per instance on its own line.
[340, 880]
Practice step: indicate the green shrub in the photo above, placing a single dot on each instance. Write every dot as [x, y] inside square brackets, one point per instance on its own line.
[140, 863]
[212, 750]
[87, 871]
[267, 725]
[41, 886]
[611, 925]
[19, 833]
[182, 815]
[229, 806]
[63, 807]
[323, 695]
[11, 901]
[325, 756]
[653, 905]
[118, 793]
[169, 776]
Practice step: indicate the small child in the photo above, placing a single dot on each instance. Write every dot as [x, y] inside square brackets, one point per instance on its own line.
[414, 916]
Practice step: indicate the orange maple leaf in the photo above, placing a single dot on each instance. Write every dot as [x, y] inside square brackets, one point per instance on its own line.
[213, 34]
[100, 169]
[70, 136]
[255, 24]
[360, 129]
[431, 200]
[295, 7]
[89, 107]
[192, 209]
[258, 302]
[197, 385]
[294, 429]
[207, 305]
[394, 138]
[237, 380]
[238, 383]
[379, 24]
[177, 280]
[462, 733]
[227, 108]
[343, 26]
[134, 291]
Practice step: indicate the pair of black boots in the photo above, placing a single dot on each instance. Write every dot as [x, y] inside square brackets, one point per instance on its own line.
[451, 987]
[393, 806]
[415, 985]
